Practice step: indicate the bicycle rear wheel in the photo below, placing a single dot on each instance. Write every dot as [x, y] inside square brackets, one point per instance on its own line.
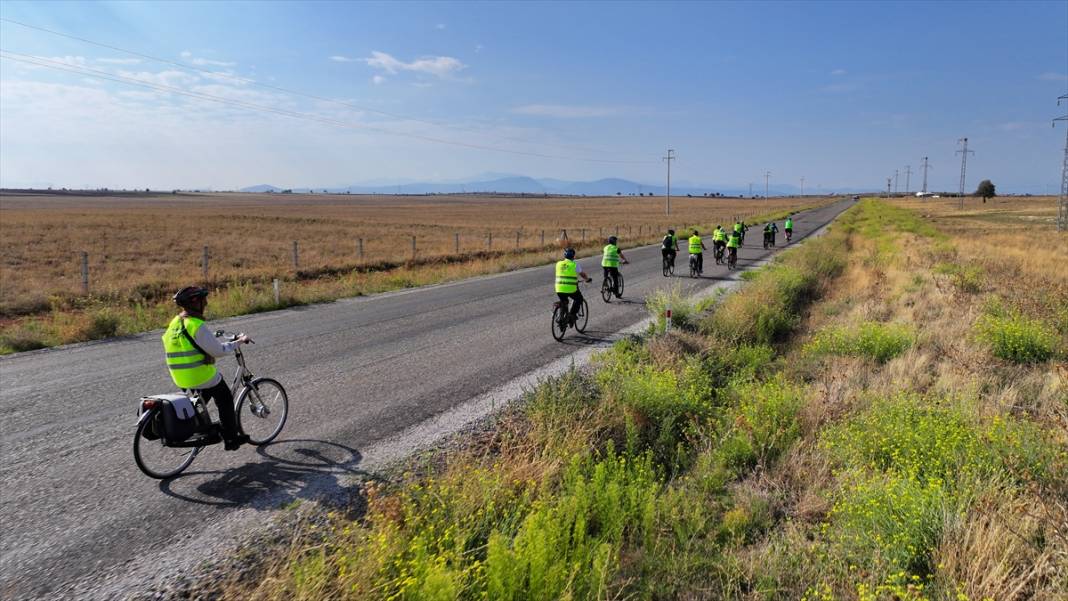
[558, 328]
[583, 317]
[262, 410]
[666, 267]
[156, 459]
[606, 290]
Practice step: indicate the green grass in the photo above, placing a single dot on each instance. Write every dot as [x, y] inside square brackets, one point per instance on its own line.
[1017, 338]
[876, 341]
[966, 278]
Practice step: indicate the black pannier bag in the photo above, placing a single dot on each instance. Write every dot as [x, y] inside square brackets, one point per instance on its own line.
[178, 417]
[152, 429]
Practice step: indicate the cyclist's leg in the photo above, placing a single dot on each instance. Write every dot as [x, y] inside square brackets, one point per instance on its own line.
[563, 296]
[700, 262]
[224, 402]
[615, 278]
[576, 303]
[672, 255]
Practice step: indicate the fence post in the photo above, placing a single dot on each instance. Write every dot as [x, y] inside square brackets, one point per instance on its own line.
[617, 231]
[205, 264]
[543, 237]
[489, 241]
[360, 240]
[276, 295]
[296, 256]
[583, 234]
[85, 272]
[457, 236]
[413, 247]
[517, 240]
[563, 234]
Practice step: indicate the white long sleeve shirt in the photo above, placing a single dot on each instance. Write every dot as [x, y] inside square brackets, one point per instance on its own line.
[207, 341]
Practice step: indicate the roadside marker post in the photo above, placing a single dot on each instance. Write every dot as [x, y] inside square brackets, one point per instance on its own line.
[667, 319]
[85, 272]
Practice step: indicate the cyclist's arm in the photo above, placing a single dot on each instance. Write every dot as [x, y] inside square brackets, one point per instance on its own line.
[582, 274]
[623, 257]
[207, 341]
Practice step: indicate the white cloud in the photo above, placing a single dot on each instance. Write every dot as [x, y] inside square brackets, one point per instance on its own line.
[479, 47]
[186, 54]
[568, 111]
[439, 26]
[171, 78]
[377, 79]
[119, 61]
[210, 63]
[1052, 76]
[337, 58]
[837, 72]
[438, 66]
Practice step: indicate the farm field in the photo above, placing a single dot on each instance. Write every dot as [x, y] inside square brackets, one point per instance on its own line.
[141, 247]
[881, 413]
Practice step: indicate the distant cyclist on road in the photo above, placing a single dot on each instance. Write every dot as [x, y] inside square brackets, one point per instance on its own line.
[733, 243]
[669, 247]
[739, 228]
[610, 261]
[568, 273]
[719, 242]
[697, 247]
[191, 350]
[789, 227]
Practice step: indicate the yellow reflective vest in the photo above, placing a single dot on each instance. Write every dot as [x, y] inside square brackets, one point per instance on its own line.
[695, 245]
[611, 256]
[566, 276]
[188, 366]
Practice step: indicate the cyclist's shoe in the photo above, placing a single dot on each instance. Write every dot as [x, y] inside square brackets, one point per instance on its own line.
[233, 444]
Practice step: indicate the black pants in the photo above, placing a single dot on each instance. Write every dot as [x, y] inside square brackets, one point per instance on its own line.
[612, 275]
[700, 261]
[668, 254]
[224, 402]
[576, 296]
[719, 245]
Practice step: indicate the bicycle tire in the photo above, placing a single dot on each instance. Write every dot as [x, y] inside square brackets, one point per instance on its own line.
[619, 281]
[558, 330]
[666, 266]
[606, 291]
[583, 317]
[188, 453]
[253, 388]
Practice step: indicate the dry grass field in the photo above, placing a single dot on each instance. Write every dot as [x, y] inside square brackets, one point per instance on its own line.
[143, 246]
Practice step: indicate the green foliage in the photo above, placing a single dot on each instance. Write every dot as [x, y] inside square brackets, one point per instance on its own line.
[761, 425]
[568, 547]
[102, 324]
[1015, 337]
[966, 278]
[726, 364]
[986, 189]
[682, 307]
[876, 341]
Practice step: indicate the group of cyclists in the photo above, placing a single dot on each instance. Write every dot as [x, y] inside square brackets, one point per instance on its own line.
[724, 242]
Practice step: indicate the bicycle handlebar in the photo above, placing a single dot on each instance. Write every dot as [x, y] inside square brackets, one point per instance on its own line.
[231, 337]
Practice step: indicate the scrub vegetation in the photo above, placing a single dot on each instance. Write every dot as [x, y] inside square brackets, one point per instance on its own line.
[142, 248]
[849, 424]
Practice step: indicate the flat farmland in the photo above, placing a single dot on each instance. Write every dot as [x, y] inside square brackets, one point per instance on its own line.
[143, 246]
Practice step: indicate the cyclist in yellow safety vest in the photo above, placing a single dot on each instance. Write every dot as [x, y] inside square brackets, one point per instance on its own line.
[719, 241]
[610, 262]
[697, 247]
[733, 243]
[191, 350]
[568, 273]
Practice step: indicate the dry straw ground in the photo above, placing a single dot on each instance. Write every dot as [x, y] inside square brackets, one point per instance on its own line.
[143, 246]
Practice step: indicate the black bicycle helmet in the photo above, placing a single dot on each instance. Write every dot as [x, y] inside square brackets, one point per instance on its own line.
[612, 239]
[672, 232]
[189, 293]
[569, 253]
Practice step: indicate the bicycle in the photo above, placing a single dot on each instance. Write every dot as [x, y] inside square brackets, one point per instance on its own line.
[693, 266]
[579, 323]
[615, 288]
[256, 400]
[767, 240]
[718, 253]
[669, 265]
[789, 235]
[732, 259]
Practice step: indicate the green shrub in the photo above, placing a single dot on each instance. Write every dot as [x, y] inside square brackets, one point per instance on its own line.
[762, 425]
[966, 278]
[24, 337]
[726, 363]
[1016, 338]
[682, 307]
[876, 341]
[102, 324]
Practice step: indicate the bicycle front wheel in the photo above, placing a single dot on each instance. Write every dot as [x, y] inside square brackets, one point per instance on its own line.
[606, 290]
[619, 286]
[155, 458]
[583, 317]
[262, 410]
[559, 326]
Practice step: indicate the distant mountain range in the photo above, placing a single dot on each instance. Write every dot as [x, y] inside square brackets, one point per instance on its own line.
[518, 184]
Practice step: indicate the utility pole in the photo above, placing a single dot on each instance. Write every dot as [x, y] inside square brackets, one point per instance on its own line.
[1062, 210]
[750, 189]
[895, 182]
[670, 157]
[925, 168]
[963, 166]
[888, 180]
[767, 176]
[802, 186]
[908, 178]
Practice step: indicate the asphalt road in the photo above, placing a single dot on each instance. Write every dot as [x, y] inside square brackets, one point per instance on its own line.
[78, 520]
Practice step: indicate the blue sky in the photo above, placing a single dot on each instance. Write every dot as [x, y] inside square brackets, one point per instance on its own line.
[839, 93]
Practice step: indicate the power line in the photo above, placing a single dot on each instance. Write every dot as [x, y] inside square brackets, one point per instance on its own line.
[926, 166]
[83, 70]
[668, 159]
[254, 82]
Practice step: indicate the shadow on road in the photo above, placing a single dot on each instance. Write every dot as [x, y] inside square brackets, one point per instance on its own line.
[290, 471]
